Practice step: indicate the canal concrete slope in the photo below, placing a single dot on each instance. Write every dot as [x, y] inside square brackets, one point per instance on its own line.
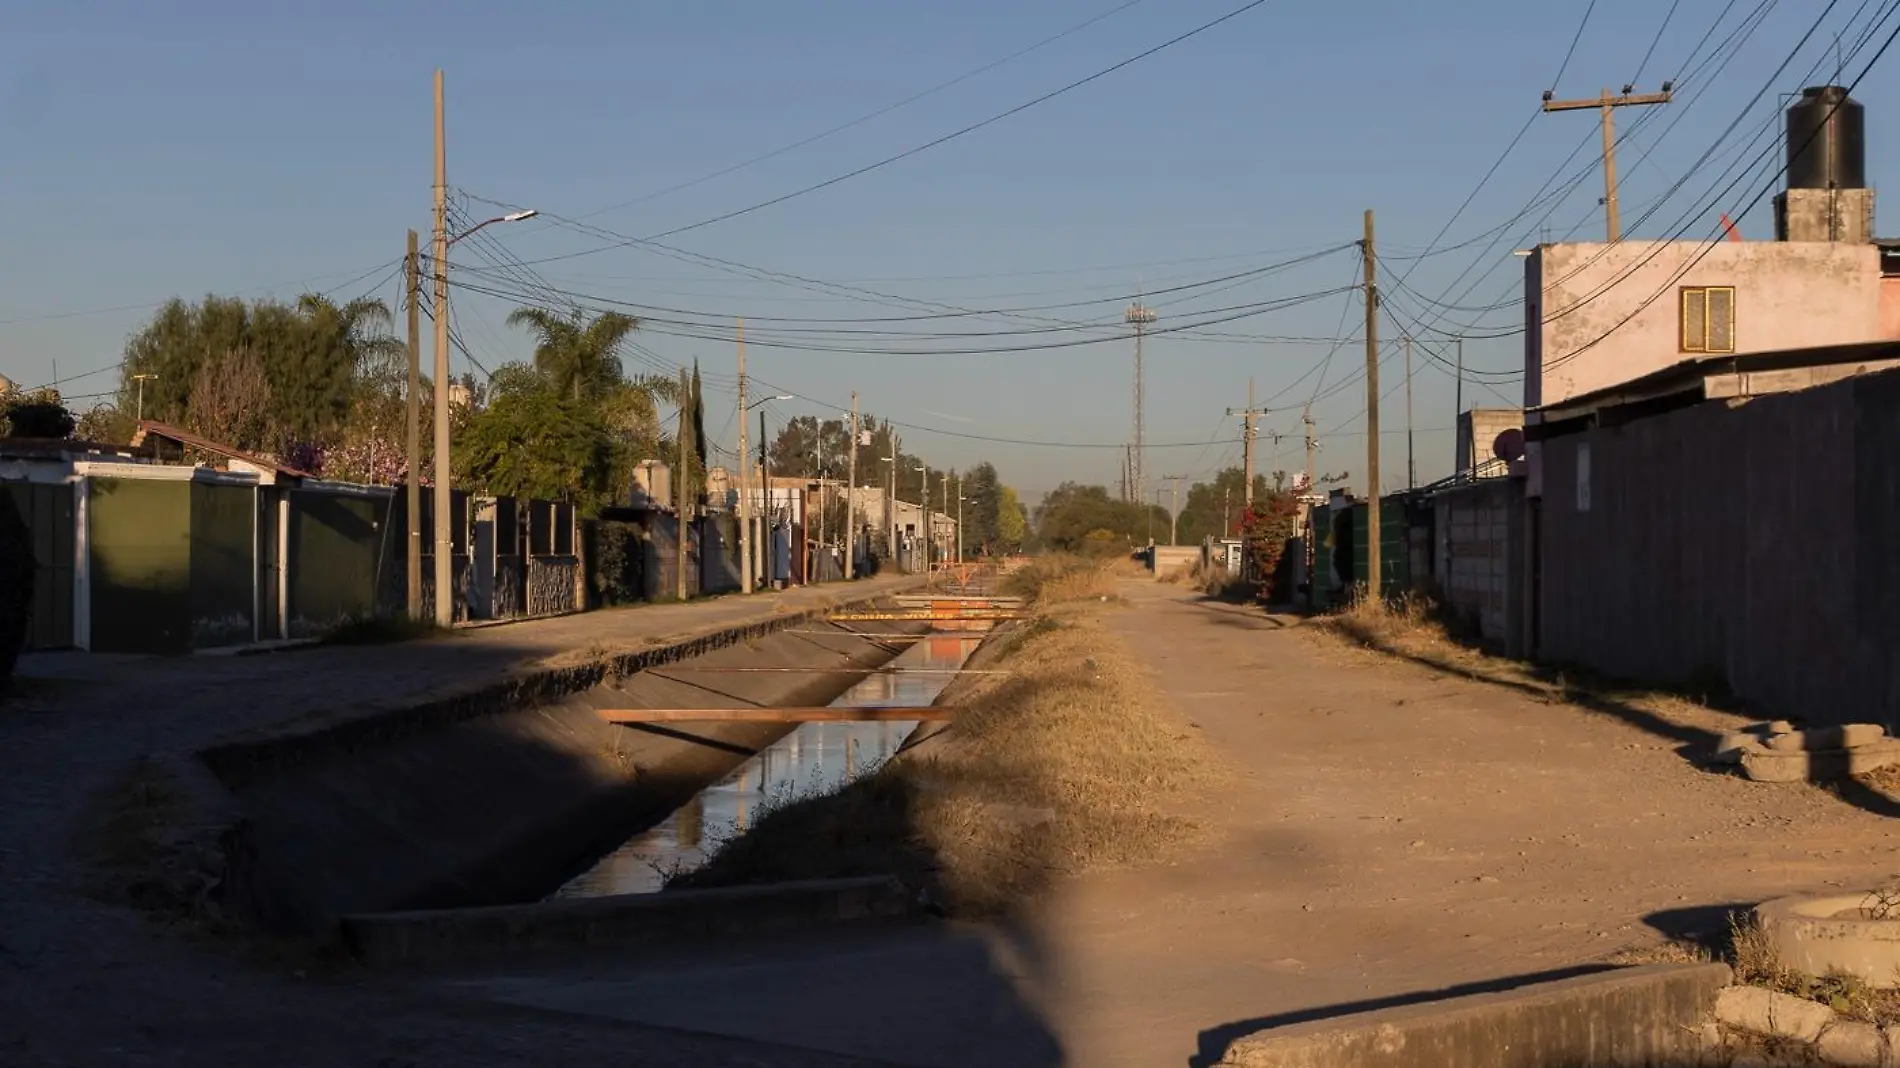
[496, 799]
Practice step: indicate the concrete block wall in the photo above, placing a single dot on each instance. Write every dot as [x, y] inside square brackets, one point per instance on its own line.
[1480, 554]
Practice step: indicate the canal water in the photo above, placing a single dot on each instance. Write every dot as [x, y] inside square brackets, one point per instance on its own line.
[815, 759]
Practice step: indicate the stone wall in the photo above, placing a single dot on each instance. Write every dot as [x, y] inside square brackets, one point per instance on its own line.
[1480, 557]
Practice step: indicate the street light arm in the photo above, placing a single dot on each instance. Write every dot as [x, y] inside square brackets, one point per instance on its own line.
[513, 216]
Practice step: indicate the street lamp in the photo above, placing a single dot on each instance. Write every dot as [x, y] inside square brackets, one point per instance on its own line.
[142, 379]
[747, 572]
[444, 540]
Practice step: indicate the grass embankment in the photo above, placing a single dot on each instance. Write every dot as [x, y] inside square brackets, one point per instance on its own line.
[1415, 628]
[1069, 761]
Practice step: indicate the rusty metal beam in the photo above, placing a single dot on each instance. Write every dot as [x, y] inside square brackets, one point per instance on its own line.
[797, 714]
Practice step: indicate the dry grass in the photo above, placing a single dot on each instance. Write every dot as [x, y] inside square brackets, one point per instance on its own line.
[1053, 580]
[1415, 628]
[1065, 764]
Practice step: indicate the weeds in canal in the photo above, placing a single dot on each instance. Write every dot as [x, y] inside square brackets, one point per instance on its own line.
[1067, 762]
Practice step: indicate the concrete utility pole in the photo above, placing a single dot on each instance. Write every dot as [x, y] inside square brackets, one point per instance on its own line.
[820, 457]
[851, 498]
[1312, 446]
[745, 461]
[142, 379]
[1411, 463]
[1174, 506]
[945, 495]
[412, 296]
[1458, 408]
[764, 487]
[960, 500]
[444, 542]
[923, 511]
[1607, 105]
[1140, 318]
[1374, 577]
[679, 492]
[890, 498]
[1247, 415]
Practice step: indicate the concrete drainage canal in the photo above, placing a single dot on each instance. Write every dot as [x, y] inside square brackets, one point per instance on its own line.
[541, 813]
[816, 758]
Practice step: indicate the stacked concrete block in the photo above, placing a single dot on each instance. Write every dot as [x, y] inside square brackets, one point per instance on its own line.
[1777, 752]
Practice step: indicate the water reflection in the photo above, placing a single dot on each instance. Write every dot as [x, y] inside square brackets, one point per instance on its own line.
[816, 758]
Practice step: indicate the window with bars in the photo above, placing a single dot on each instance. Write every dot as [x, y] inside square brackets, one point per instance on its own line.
[1708, 318]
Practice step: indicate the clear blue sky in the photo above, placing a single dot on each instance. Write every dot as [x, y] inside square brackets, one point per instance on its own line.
[260, 148]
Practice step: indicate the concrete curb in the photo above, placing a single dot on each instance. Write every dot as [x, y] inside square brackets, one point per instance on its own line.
[263, 752]
[446, 936]
[1631, 1016]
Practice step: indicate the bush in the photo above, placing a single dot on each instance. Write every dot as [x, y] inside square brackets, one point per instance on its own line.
[618, 562]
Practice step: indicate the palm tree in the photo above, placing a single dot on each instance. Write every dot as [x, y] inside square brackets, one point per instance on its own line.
[580, 358]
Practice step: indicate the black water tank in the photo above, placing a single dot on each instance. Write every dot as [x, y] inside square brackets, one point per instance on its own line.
[1827, 140]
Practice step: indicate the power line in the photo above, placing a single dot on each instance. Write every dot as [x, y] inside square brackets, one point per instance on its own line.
[926, 146]
[868, 116]
[1572, 50]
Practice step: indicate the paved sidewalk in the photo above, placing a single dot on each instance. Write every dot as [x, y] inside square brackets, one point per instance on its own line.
[88, 983]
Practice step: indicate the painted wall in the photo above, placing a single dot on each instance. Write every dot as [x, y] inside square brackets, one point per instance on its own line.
[139, 562]
[339, 546]
[1788, 295]
[223, 578]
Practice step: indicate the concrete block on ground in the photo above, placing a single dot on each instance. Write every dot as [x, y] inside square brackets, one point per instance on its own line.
[1853, 1044]
[1630, 1016]
[1845, 736]
[1827, 765]
[1832, 933]
[1768, 1012]
[412, 939]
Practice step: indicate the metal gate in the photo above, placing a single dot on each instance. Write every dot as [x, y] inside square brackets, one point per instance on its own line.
[48, 511]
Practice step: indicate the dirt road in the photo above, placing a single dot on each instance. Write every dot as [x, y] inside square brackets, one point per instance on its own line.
[1387, 832]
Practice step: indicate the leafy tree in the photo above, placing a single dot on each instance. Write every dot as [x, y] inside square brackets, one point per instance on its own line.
[39, 414]
[1214, 508]
[1078, 518]
[230, 401]
[314, 356]
[581, 358]
[536, 440]
[105, 423]
[1012, 523]
[804, 440]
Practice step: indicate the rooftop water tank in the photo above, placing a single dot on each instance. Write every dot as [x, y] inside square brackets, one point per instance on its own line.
[1827, 141]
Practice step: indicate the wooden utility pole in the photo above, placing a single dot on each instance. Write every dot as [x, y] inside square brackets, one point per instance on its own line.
[444, 542]
[739, 469]
[890, 500]
[1607, 105]
[679, 491]
[1374, 583]
[768, 550]
[1247, 415]
[851, 498]
[412, 553]
[1411, 461]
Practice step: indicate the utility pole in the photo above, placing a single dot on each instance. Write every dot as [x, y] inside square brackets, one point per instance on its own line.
[1375, 585]
[945, 495]
[444, 542]
[745, 461]
[959, 519]
[142, 379]
[1140, 318]
[821, 499]
[851, 498]
[679, 491]
[923, 511]
[890, 500]
[1312, 446]
[1411, 464]
[1227, 512]
[1247, 415]
[1174, 507]
[1607, 105]
[412, 295]
[764, 523]
[1458, 408]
